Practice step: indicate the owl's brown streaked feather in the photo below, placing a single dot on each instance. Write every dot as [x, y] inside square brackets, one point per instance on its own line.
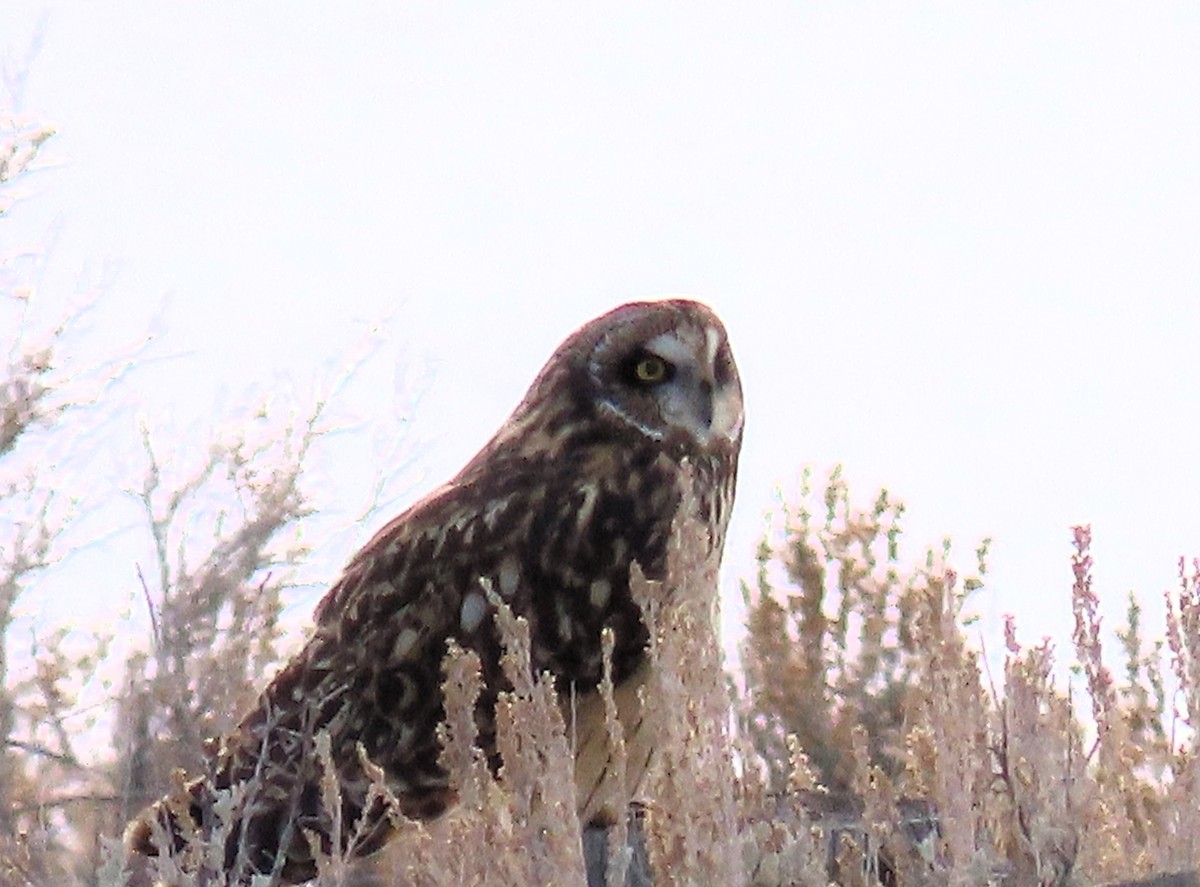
[581, 482]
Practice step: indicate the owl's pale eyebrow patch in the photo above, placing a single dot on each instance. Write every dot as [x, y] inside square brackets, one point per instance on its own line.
[669, 346]
[712, 342]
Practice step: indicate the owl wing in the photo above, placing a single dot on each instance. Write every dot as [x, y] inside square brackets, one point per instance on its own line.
[553, 536]
[370, 676]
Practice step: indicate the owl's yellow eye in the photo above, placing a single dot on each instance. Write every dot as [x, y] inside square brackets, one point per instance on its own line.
[651, 370]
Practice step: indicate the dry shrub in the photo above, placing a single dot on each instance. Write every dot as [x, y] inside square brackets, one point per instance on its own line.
[1038, 756]
[852, 656]
[213, 595]
[1182, 756]
[46, 783]
[831, 641]
[515, 827]
[692, 790]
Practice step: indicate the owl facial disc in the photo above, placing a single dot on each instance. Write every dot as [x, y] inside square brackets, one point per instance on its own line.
[695, 400]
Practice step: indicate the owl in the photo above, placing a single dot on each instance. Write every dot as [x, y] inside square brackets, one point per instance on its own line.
[637, 412]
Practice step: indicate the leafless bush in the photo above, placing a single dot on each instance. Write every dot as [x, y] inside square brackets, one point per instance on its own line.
[832, 636]
[1019, 798]
[41, 771]
[213, 595]
[219, 558]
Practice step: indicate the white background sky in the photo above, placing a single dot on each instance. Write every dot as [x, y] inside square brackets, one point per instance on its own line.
[956, 245]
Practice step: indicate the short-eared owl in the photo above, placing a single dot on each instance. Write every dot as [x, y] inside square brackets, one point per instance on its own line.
[582, 481]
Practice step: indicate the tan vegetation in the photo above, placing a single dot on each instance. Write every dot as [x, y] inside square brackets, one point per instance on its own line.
[862, 666]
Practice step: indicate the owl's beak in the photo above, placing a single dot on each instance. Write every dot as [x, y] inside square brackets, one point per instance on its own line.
[726, 414]
[710, 413]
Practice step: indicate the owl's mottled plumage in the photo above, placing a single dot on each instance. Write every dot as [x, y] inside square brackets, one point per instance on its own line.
[583, 480]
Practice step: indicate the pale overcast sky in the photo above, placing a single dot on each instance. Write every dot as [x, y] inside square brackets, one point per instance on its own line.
[956, 245]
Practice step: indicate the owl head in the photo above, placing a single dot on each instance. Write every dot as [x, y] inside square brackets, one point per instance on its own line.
[658, 370]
